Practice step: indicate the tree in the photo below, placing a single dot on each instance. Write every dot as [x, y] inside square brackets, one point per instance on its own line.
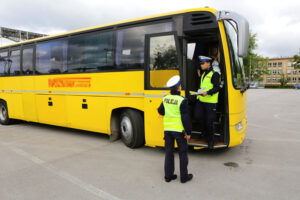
[165, 58]
[284, 80]
[255, 66]
[297, 61]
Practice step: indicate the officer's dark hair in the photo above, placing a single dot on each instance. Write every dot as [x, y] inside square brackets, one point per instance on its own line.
[174, 91]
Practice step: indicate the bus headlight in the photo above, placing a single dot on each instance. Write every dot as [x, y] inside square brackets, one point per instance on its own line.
[239, 126]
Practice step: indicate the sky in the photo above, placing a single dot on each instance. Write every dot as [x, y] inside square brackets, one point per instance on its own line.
[276, 23]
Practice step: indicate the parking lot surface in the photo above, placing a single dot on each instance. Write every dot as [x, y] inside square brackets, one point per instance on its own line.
[46, 162]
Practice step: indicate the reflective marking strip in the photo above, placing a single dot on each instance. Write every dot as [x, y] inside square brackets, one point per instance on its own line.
[71, 92]
[155, 96]
[172, 120]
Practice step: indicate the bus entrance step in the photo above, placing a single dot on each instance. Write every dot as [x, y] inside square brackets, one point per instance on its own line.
[203, 143]
[200, 133]
[197, 132]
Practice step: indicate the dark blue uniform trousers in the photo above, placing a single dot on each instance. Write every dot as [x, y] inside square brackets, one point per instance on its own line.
[205, 115]
[170, 137]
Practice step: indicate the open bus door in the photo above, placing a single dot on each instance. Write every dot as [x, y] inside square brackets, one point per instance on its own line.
[161, 63]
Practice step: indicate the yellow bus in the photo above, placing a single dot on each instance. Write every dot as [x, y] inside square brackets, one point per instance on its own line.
[111, 78]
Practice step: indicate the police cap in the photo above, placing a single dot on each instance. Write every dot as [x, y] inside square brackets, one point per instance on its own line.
[173, 82]
[203, 59]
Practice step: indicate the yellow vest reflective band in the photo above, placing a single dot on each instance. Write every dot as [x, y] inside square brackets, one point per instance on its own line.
[206, 83]
[172, 118]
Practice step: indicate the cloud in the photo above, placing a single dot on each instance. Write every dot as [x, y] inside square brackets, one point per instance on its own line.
[275, 22]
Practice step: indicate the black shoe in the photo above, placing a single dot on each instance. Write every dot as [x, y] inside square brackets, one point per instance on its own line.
[187, 178]
[173, 177]
[211, 145]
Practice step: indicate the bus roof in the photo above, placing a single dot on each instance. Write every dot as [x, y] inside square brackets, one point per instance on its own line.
[111, 24]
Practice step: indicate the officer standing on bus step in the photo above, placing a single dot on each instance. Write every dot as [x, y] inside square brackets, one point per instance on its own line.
[175, 110]
[205, 108]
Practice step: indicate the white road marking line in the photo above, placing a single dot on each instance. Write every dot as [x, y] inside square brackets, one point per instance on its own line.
[86, 186]
[273, 129]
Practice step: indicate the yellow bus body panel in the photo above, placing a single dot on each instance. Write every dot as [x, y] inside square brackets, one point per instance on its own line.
[86, 100]
[59, 99]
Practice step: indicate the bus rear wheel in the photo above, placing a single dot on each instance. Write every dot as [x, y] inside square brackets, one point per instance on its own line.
[132, 128]
[4, 119]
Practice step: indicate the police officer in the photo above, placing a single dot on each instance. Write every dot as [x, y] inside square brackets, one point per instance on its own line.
[205, 108]
[175, 110]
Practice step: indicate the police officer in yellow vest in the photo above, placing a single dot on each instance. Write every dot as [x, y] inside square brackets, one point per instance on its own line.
[205, 108]
[177, 127]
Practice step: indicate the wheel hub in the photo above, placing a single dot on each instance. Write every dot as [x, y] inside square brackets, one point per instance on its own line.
[126, 128]
[3, 113]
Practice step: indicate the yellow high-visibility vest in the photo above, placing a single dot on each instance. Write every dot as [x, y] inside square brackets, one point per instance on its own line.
[172, 117]
[206, 83]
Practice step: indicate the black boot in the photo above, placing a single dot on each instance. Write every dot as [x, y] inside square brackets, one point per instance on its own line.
[173, 177]
[187, 178]
[211, 144]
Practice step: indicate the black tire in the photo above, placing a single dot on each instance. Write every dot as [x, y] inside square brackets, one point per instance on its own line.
[132, 128]
[4, 118]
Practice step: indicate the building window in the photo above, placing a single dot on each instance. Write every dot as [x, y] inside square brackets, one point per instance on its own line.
[288, 71]
[280, 64]
[274, 64]
[279, 71]
[294, 71]
[294, 79]
[270, 64]
[298, 79]
[274, 79]
[289, 64]
[274, 72]
[269, 79]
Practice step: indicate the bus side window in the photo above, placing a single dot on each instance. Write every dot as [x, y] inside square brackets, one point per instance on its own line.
[51, 57]
[131, 43]
[90, 53]
[14, 63]
[3, 62]
[27, 60]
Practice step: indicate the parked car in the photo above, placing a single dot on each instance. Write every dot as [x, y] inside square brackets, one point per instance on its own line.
[297, 86]
[254, 85]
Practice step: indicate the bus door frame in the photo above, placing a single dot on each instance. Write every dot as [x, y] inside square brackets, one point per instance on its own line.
[154, 133]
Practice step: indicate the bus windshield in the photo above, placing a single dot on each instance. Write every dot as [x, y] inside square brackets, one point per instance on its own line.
[236, 62]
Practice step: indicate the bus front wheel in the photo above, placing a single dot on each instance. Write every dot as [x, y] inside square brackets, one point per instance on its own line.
[4, 119]
[132, 128]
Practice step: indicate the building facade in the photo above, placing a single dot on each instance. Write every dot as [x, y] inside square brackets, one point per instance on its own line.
[277, 67]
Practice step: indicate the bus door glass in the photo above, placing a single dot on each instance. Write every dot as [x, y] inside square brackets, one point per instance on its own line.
[238, 77]
[162, 62]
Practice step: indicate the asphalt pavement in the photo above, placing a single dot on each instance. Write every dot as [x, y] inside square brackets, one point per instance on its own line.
[47, 162]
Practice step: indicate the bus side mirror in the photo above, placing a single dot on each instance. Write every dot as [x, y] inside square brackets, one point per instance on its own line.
[242, 29]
